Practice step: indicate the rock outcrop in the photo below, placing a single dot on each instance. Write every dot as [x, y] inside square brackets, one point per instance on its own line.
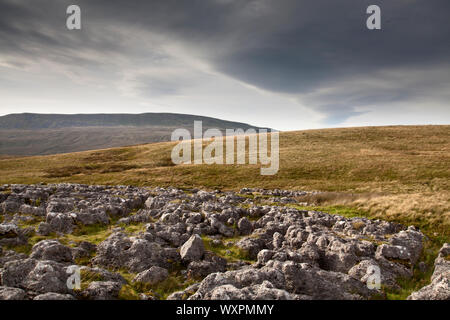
[231, 245]
[439, 288]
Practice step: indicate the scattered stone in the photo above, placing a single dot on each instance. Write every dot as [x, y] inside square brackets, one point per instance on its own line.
[54, 296]
[102, 290]
[439, 288]
[258, 250]
[152, 276]
[8, 230]
[245, 227]
[193, 249]
[34, 275]
[8, 293]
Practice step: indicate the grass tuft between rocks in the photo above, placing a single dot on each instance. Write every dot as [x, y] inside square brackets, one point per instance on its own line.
[160, 291]
[229, 252]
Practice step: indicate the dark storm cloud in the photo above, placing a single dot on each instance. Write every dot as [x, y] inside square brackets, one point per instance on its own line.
[298, 47]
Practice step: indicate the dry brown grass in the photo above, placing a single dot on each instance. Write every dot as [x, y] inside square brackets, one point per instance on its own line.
[395, 172]
[430, 210]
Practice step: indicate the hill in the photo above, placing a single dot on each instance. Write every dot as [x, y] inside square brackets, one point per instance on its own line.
[40, 134]
[400, 173]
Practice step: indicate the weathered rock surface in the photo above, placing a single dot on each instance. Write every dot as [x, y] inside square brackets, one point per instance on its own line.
[102, 290]
[54, 296]
[232, 245]
[51, 250]
[135, 254]
[35, 275]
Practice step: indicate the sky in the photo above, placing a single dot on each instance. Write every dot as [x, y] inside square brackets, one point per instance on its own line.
[284, 64]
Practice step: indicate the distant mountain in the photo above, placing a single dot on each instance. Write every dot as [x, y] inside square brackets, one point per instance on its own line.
[40, 134]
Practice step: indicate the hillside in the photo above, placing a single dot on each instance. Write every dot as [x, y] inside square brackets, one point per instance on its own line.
[400, 173]
[40, 134]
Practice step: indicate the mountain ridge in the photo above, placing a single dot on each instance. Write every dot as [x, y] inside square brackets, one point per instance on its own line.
[26, 121]
[28, 134]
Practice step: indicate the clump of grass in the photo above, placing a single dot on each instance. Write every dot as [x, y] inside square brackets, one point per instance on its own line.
[358, 225]
[164, 288]
[340, 210]
[230, 253]
[171, 285]
[68, 171]
[95, 234]
[26, 248]
[110, 155]
[33, 222]
[175, 282]
[127, 292]
[165, 162]
[86, 278]
[133, 228]
[83, 261]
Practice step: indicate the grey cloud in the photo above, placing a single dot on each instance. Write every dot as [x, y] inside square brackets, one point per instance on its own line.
[292, 47]
[156, 86]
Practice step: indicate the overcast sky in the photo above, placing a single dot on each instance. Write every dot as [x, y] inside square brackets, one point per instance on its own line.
[285, 64]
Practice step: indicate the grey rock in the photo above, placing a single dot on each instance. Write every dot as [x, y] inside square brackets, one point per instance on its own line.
[300, 254]
[102, 290]
[54, 296]
[251, 246]
[51, 250]
[193, 249]
[93, 216]
[8, 293]
[220, 227]
[194, 218]
[10, 206]
[152, 276]
[184, 294]
[10, 255]
[44, 229]
[245, 227]
[439, 289]
[277, 240]
[263, 291]
[442, 262]
[102, 274]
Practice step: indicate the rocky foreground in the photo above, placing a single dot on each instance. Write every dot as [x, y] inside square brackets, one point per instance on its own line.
[137, 243]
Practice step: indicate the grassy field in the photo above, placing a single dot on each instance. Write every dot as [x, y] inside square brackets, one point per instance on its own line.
[398, 173]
